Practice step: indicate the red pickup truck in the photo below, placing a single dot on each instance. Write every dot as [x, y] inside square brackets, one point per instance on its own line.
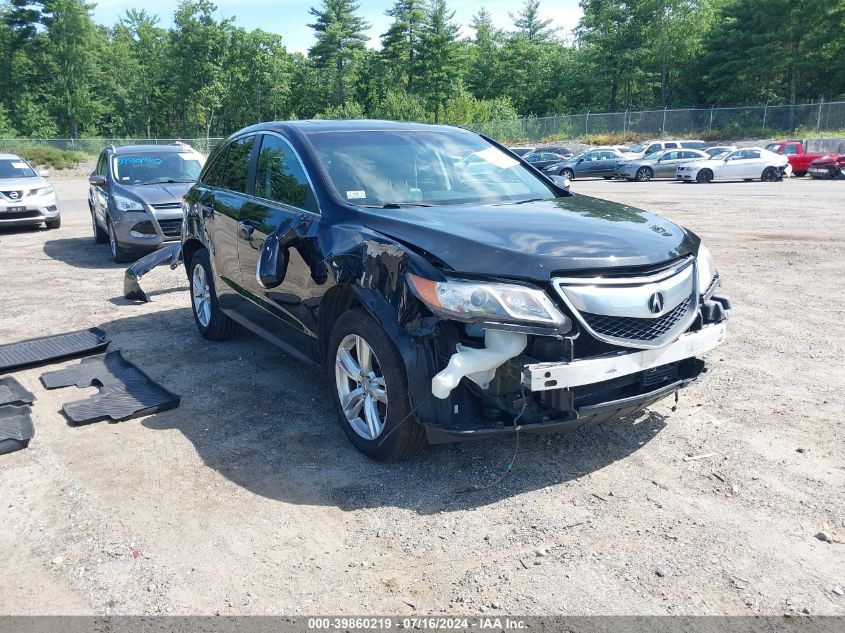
[795, 154]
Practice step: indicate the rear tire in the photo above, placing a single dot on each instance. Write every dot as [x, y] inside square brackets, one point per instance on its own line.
[54, 224]
[644, 174]
[119, 253]
[770, 174]
[704, 176]
[100, 236]
[799, 174]
[401, 435]
[210, 320]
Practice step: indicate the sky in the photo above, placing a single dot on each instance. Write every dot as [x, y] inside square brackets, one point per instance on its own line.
[289, 18]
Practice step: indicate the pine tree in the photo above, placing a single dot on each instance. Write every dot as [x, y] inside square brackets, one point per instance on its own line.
[438, 55]
[529, 25]
[400, 44]
[340, 42]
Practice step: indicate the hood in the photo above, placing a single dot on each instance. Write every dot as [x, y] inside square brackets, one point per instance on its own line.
[155, 194]
[828, 159]
[21, 184]
[534, 240]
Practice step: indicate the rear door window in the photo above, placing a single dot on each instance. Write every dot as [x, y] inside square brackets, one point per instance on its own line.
[236, 174]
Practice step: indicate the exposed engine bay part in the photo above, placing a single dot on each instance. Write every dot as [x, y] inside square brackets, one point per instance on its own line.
[125, 391]
[16, 428]
[38, 351]
[131, 288]
[13, 392]
[479, 365]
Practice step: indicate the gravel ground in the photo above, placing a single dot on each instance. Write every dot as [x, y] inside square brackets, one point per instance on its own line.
[248, 499]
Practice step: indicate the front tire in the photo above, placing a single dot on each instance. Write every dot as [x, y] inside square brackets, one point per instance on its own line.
[54, 224]
[371, 389]
[644, 174]
[210, 320]
[567, 173]
[119, 253]
[770, 174]
[704, 176]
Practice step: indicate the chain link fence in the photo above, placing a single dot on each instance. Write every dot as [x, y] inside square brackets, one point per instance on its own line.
[94, 146]
[710, 123]
[763, 120]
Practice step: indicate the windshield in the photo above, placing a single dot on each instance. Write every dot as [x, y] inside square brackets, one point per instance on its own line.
[639, 147]
[773, 147]
[424, 168]
[149, 168]
[654, 155]
[15, 168]
[720, 154]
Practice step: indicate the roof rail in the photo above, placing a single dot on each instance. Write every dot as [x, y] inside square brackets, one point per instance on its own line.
[111, 147]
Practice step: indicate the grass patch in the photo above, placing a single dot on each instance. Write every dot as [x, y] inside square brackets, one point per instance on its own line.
[51, 157]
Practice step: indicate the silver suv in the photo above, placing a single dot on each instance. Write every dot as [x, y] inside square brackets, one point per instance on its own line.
[26, 197]
[135, 196]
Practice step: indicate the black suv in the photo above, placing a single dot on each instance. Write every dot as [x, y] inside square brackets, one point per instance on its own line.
[135, 196]
[446, 298]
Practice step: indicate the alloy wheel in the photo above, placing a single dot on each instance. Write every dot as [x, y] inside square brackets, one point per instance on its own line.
[361, 387]
[202, 295]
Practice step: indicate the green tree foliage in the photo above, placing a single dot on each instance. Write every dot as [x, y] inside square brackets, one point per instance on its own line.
[438, 55]
[63, 75]
[340, 43]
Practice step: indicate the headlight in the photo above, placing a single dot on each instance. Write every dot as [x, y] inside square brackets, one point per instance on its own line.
[43, 191]
[477, 301]
[706, 269]
[127, 204]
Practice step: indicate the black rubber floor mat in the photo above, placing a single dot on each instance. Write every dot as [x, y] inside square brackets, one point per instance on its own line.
[13, 392]
[125, 391]
[38, 351]
[16, 428]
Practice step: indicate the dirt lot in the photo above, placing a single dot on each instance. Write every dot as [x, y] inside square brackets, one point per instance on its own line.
[248, 499]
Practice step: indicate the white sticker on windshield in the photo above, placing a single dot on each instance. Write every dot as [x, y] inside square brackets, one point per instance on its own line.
[354, 195]
[188, 156]
[19, 165]
[498, 158]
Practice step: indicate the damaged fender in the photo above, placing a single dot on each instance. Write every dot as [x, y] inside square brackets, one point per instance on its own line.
[131, 288]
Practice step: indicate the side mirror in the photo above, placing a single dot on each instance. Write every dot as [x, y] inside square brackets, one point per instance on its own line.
[561, 181]
[44, 173]
[97, 180]
[580, 160]
[273, 261]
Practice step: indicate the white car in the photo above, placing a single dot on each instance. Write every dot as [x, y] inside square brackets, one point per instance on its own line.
[749, 163]
[26, 197]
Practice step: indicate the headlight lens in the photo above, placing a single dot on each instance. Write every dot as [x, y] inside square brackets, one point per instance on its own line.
[475, 301]
[706, 269]
[43, 191]
[127, 204]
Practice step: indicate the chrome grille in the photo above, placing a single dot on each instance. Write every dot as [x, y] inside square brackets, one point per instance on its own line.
[636, 329]
[642, 310]
[167, 206]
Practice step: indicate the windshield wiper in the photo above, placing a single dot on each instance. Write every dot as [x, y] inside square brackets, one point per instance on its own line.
[168, 181]
[530, 200]
[396, 205]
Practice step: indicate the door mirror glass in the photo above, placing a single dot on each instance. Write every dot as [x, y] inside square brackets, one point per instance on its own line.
[97, 180]
[561, 181]
[44, 173]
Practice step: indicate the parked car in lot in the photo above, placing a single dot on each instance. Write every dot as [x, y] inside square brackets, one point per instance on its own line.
[26, 197]
[715, 150]
[558, 149]
[541, 159]
[750, 163]
[596, 163]
[444, 307]
[522, 151]
[135, 196]
[660, 164]
[828, 166]
[796, 153]
[641, 150]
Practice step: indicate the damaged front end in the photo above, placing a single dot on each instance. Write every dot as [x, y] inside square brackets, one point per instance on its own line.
[560, 364]
[131, 288]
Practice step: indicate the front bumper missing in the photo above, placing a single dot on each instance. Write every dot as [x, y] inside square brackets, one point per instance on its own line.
[545, 376]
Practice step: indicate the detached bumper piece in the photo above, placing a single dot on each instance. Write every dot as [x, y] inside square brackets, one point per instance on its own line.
[125, 391]
[39, 351]
[131, 288]
[16, 428]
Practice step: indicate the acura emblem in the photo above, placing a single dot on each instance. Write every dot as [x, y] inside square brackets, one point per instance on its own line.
[13, 195]
[655, 303]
